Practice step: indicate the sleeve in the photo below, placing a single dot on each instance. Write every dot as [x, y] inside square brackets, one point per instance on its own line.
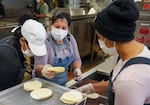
[129, 93]
[75, 49]
[45, 9]
[9, 66]
[41, 60]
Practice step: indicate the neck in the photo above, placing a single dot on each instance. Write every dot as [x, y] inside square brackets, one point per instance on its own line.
[129, 50]
[59, 42]
[41, 2]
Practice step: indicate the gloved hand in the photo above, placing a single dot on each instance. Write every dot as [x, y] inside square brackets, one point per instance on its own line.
[77, 74]
[88, 88]
[46, 73]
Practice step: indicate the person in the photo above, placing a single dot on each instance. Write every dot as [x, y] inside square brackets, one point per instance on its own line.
[28, 38]
[129, 82]
[42, 10]
[2, 10]
[62, 51]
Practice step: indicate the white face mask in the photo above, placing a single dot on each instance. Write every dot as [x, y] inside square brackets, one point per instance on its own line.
[59, 34]
[27, 53]
[37, 1]
[110, 51]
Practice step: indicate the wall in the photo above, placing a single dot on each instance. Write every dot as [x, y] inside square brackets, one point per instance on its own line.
[14, 8]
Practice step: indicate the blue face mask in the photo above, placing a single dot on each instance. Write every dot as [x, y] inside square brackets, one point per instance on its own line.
[110, 51]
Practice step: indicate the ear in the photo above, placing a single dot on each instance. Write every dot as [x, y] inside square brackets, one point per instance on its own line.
[22, 43]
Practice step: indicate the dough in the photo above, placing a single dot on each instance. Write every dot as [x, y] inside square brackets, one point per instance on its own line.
[72, 97]
[40, 94]
[32, 85]
[66, 101]
[57, 69]
[93, 95]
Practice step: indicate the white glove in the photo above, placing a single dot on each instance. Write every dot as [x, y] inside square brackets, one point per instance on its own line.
[88, 89]
[77, 74]
[46, 73]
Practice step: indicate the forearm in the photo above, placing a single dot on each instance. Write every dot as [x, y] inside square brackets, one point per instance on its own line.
[40, 15]
[76, 64]
[101, 87]
[39, 68]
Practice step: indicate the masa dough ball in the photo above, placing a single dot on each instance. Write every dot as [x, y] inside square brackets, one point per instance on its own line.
[32, 85]
[71, 97]
[40, 94]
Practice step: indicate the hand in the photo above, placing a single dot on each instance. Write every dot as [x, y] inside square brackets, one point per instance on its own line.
[46, 73]
[88, 88]
[77, 74]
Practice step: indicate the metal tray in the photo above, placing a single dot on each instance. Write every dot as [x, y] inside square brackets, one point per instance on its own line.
[18, 96]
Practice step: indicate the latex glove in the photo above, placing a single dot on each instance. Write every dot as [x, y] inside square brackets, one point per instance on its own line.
[77, 74]
[88, 88]
[46, 73]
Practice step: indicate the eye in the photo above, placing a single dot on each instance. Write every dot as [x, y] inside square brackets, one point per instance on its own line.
[64, 28]
[57, 26]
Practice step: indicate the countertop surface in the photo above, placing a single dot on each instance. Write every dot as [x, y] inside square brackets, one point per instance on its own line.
[8, 23]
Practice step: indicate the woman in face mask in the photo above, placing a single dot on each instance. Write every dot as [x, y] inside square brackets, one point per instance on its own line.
[129, 80]
[62, 52]
[29, 36]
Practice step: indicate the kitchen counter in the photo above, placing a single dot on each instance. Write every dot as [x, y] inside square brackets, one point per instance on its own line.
[8, 23]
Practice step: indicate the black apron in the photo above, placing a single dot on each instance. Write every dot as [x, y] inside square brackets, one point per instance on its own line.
[137, 60]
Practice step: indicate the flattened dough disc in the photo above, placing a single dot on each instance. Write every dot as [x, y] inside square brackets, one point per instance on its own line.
[32, 85]
[40, 94]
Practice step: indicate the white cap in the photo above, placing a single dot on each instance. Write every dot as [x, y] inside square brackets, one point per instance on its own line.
[35, 34]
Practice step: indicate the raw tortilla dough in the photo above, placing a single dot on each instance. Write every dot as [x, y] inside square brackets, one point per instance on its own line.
[40, 94]
[32, 85]
[72, 97]
[57, 69]
[93, 95]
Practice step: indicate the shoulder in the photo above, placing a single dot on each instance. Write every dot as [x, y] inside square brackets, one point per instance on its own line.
[45, 4]
[71, 37]
[7, 50]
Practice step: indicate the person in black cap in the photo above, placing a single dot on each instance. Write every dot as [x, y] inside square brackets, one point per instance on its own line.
[129, 81]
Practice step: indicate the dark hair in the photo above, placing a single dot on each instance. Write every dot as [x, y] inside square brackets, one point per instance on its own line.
[61, 15]
[25, 17]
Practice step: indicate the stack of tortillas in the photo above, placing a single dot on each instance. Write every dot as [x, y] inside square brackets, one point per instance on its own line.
[72, 97]
[56, 69]
[38, 92]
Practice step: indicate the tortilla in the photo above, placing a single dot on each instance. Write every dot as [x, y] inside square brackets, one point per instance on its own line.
[40, 94]
[56, 69]
[71, 97]
[93, 95]
[32, 85]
